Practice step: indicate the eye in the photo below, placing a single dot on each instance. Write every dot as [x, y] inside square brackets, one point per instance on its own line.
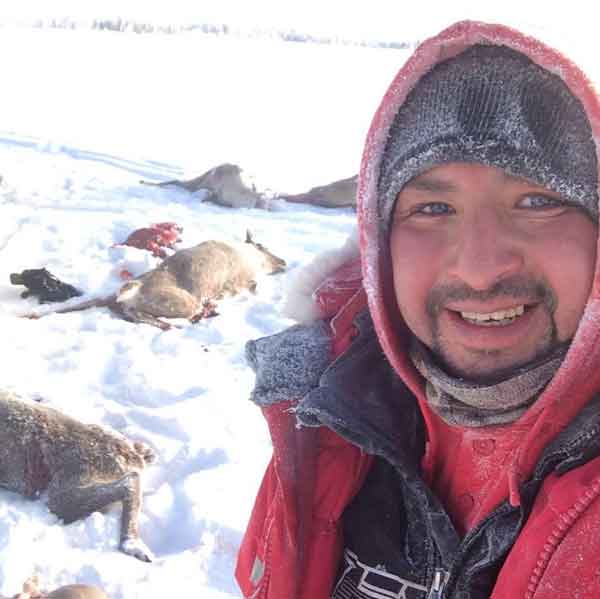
[540, 202]
[433, 209]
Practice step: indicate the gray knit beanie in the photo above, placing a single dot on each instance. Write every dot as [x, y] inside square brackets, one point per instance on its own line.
[494, 106]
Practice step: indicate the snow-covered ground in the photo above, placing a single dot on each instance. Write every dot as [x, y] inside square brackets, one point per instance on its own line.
[83, 116]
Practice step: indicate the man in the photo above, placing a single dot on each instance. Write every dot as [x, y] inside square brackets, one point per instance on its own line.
[436, 432]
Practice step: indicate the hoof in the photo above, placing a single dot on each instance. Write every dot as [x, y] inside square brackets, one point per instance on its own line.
[138, 549]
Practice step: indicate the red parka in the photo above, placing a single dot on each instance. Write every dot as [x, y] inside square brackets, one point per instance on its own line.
[292, 547]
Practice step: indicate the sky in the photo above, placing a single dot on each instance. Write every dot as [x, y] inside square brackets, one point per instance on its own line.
[378, 18]
[566, 25]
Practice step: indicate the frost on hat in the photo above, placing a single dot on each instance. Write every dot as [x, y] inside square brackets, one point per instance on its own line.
[494, 106]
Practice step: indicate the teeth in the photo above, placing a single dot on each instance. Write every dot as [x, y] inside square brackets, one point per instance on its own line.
[502, 315]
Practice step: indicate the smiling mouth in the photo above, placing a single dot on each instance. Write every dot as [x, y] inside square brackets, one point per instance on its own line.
[499, 318]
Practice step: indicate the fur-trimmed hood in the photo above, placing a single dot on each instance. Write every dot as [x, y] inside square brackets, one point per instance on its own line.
[300, 304]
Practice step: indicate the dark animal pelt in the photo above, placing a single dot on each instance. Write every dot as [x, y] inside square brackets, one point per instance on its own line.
[42, 284]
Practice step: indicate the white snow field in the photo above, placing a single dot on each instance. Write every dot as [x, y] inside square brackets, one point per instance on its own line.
[83, 117]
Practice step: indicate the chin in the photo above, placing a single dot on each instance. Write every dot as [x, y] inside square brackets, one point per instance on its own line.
[489, 367]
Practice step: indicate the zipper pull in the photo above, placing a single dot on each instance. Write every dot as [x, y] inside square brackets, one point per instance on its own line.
[440, 578]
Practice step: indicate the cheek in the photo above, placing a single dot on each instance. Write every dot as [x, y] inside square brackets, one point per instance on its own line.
[570, 265]
[415, 261]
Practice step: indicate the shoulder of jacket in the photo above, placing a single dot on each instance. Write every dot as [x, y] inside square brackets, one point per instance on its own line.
[290, 363]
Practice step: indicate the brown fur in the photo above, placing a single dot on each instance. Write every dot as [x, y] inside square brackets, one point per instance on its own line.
[83, 467]
[225, 186]
[32, 590]
[185, 283]
[334, 195]
[76, 591]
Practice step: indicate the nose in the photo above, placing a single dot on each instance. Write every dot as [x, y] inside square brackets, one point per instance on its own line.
[487, 249]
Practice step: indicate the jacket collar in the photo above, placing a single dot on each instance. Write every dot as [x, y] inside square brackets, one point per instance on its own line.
[360, 397]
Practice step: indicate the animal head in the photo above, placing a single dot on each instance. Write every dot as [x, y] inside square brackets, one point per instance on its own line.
[36, 277]
[268, 262]
[42, 283]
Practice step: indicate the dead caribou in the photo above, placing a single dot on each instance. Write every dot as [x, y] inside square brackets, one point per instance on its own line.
[229, 185]
[83, 467]
[226, 185]
[186, 284]
[31, 589]
[337, 194]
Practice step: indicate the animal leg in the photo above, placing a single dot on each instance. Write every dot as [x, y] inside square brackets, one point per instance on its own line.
[99, 302]
[161, 183]
[72, 502]
[133, 315]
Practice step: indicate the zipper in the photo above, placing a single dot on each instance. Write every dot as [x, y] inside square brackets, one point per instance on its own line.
[565, 521]
[262, 589]
[440, 578]
[444, 579]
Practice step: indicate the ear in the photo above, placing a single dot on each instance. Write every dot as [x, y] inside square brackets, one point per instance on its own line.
[249, 236]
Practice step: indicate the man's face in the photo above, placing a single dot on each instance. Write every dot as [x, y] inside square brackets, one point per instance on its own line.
[490, 271]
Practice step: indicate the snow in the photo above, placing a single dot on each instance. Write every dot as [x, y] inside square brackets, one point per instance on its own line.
[84, 115]
[88, 115]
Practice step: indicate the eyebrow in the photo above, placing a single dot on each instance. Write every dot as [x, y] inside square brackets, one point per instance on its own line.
[516, 179]
[431, 184]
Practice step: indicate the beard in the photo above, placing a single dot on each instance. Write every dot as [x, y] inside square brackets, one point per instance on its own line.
[519, 289]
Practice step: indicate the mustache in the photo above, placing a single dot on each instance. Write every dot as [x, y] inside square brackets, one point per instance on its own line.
[517, 287]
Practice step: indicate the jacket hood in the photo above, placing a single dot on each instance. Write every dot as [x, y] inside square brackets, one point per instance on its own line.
[578, 378]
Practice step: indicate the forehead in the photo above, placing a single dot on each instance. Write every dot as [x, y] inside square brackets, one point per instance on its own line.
[456, 175]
